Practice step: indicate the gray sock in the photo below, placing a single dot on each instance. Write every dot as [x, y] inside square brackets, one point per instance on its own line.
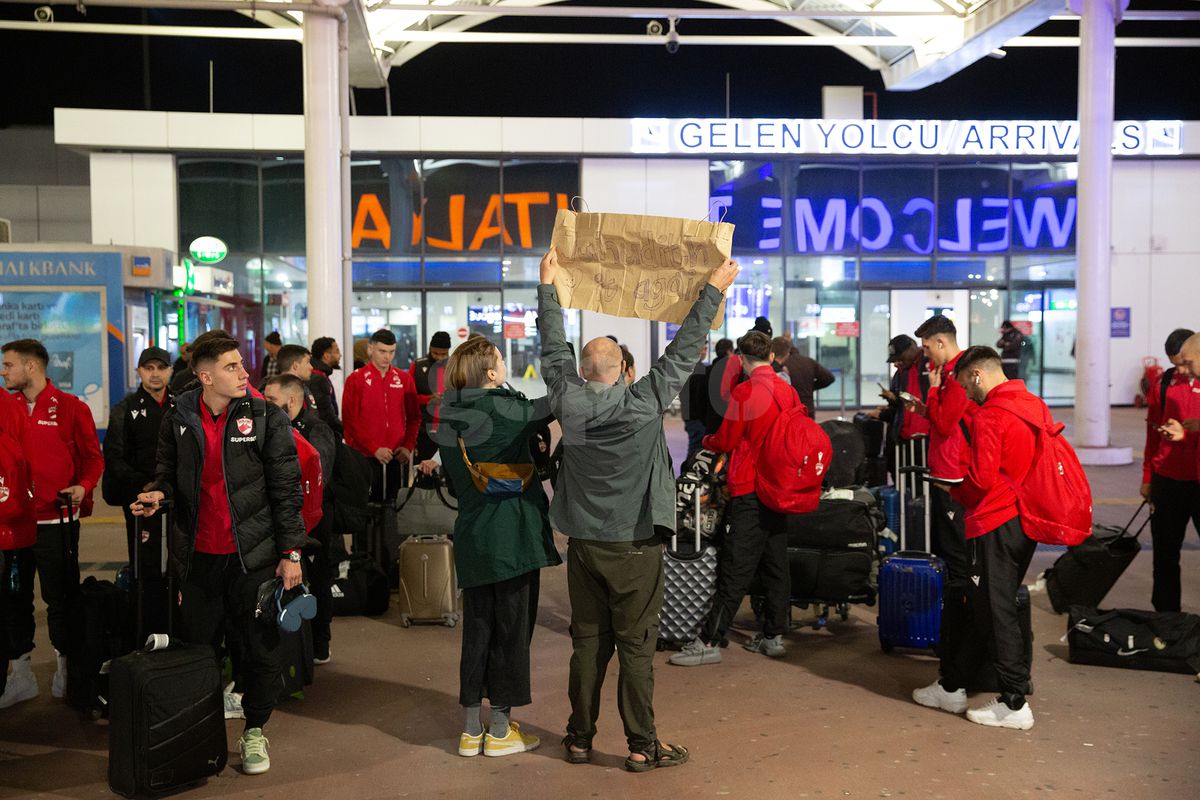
[473, 726]
[499, 727]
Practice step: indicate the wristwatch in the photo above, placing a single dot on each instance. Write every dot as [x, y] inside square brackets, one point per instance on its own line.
[293, 556]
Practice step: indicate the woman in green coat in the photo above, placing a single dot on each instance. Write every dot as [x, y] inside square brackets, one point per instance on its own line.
[502, 539]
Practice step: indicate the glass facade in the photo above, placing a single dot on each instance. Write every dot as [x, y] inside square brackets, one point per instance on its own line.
[848, 253]
[840, 254]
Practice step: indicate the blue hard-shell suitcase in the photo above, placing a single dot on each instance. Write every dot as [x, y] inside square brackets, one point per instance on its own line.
[890, 496]
[910, 600]
[911, 581]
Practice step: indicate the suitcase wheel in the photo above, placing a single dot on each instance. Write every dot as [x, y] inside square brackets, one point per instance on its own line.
[450, 620]
[405, 622]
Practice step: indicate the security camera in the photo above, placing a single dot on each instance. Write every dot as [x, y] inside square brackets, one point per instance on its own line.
[672, 38]
[654, 28]
[43, 14]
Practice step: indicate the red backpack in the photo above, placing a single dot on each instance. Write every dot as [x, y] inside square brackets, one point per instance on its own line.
[311, 481]
[795, 455]
[1055, 499]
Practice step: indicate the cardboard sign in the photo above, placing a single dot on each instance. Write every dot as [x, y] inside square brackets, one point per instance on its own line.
[643, 267]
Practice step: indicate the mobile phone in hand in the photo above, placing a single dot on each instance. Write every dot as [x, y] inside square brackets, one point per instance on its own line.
[909, 397]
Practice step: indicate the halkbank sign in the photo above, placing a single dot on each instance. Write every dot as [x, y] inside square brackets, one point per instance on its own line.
[1000, 138]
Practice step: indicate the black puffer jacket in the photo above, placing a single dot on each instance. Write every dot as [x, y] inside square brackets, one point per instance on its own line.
[262, 478]
[131, 446]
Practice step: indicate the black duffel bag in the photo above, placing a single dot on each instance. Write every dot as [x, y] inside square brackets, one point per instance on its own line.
[1163, 641]
[360, 588]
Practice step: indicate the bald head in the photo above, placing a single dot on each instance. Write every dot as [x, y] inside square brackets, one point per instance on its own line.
[601, 360]
[1189, 356]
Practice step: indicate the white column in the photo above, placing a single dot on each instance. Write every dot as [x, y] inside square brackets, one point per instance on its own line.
[1097, 64]
[322, 177]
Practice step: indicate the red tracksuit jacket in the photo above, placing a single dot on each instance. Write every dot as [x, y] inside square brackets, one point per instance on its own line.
[946, 407]
[1176, 460]
[63, 437]
[380, 410]
[1002, 447]
[18, 525]
[753, 407]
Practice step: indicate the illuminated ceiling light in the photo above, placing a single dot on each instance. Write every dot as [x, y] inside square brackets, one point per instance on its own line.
[758, 262]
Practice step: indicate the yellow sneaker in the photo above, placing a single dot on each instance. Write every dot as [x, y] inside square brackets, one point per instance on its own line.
[514, 742]
[469, 745]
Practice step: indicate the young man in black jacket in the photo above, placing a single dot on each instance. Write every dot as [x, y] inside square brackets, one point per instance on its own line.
[326, 357]
[131, 443]
[228, 463]
[287, 392]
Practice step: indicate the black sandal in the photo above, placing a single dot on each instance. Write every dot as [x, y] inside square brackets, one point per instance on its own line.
[657, 755]
[583, 756]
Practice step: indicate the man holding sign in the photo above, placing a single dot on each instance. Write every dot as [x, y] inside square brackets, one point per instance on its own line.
[614, 496]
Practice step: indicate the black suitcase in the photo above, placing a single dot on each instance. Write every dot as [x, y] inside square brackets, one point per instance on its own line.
[848, 466]
[1163, 641]
[689, 576]
[872, 430]
[98, 630]
[167, 721]
[1084, 574]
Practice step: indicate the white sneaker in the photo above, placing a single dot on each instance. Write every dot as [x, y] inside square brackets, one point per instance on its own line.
[233, 704]
[58, 686]
[997, 714]
[934, 696]
[696, 653]
[770, 646]
[22, 684]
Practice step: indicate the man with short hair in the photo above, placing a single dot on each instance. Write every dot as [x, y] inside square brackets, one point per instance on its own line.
[949, 411]
[131, 442]
[326, 357]
[429, 379]
[806, 374]
[65, 460]
[1002, 448]
[911, 378]
[228, 463]
[382, 416]
[614, 497]
[270, 364]
[288, 392]
[757, 542]
[1171, 469]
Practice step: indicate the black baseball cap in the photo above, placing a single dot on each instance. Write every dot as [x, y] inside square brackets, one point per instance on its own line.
[154, 354]
[898, 346]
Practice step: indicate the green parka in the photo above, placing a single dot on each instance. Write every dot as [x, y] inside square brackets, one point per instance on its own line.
[495, 538]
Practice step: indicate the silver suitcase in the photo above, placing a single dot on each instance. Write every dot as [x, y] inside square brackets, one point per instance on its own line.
[689, 583]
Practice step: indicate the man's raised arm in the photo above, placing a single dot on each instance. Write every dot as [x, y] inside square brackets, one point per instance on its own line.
[557, 359]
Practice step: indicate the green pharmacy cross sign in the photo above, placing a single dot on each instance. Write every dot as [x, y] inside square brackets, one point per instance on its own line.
[208, 250]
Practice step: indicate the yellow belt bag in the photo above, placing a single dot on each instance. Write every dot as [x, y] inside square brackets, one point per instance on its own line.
[497, 480]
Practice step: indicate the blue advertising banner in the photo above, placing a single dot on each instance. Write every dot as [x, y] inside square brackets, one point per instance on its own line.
[72, 302]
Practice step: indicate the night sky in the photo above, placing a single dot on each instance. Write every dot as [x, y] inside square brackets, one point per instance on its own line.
[42, 71]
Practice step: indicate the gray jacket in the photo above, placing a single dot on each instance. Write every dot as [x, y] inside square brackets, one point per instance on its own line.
[616, 482]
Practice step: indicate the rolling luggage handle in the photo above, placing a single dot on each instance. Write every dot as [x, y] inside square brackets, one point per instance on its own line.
[70, 554]
[141, 538]
[914, 472]
[1142, 527]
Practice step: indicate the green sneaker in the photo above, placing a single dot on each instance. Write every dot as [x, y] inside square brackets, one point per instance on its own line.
[253, 747]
